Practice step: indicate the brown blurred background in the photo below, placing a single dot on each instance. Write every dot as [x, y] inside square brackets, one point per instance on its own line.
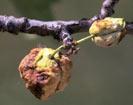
[99, 76]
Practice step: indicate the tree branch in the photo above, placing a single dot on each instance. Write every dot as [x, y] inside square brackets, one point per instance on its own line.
[107, 8]
[25, 25]
[60, 30]
[129, 28]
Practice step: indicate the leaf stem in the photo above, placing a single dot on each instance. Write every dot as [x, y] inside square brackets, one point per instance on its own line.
[77, 42]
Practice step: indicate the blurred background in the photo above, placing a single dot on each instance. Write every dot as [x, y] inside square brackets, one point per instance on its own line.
[99, 76]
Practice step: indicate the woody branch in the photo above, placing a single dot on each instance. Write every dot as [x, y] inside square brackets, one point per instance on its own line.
[60, 30]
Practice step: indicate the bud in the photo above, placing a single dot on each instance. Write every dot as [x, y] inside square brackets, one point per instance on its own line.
[44, 76]
[108, 32]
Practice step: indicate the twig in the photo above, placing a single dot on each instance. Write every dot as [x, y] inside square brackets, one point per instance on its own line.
[107, 8]
[60, 30]
[129, 28]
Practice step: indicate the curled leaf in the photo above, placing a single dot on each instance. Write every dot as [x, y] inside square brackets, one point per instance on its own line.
[108, 32]
[44, 76]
